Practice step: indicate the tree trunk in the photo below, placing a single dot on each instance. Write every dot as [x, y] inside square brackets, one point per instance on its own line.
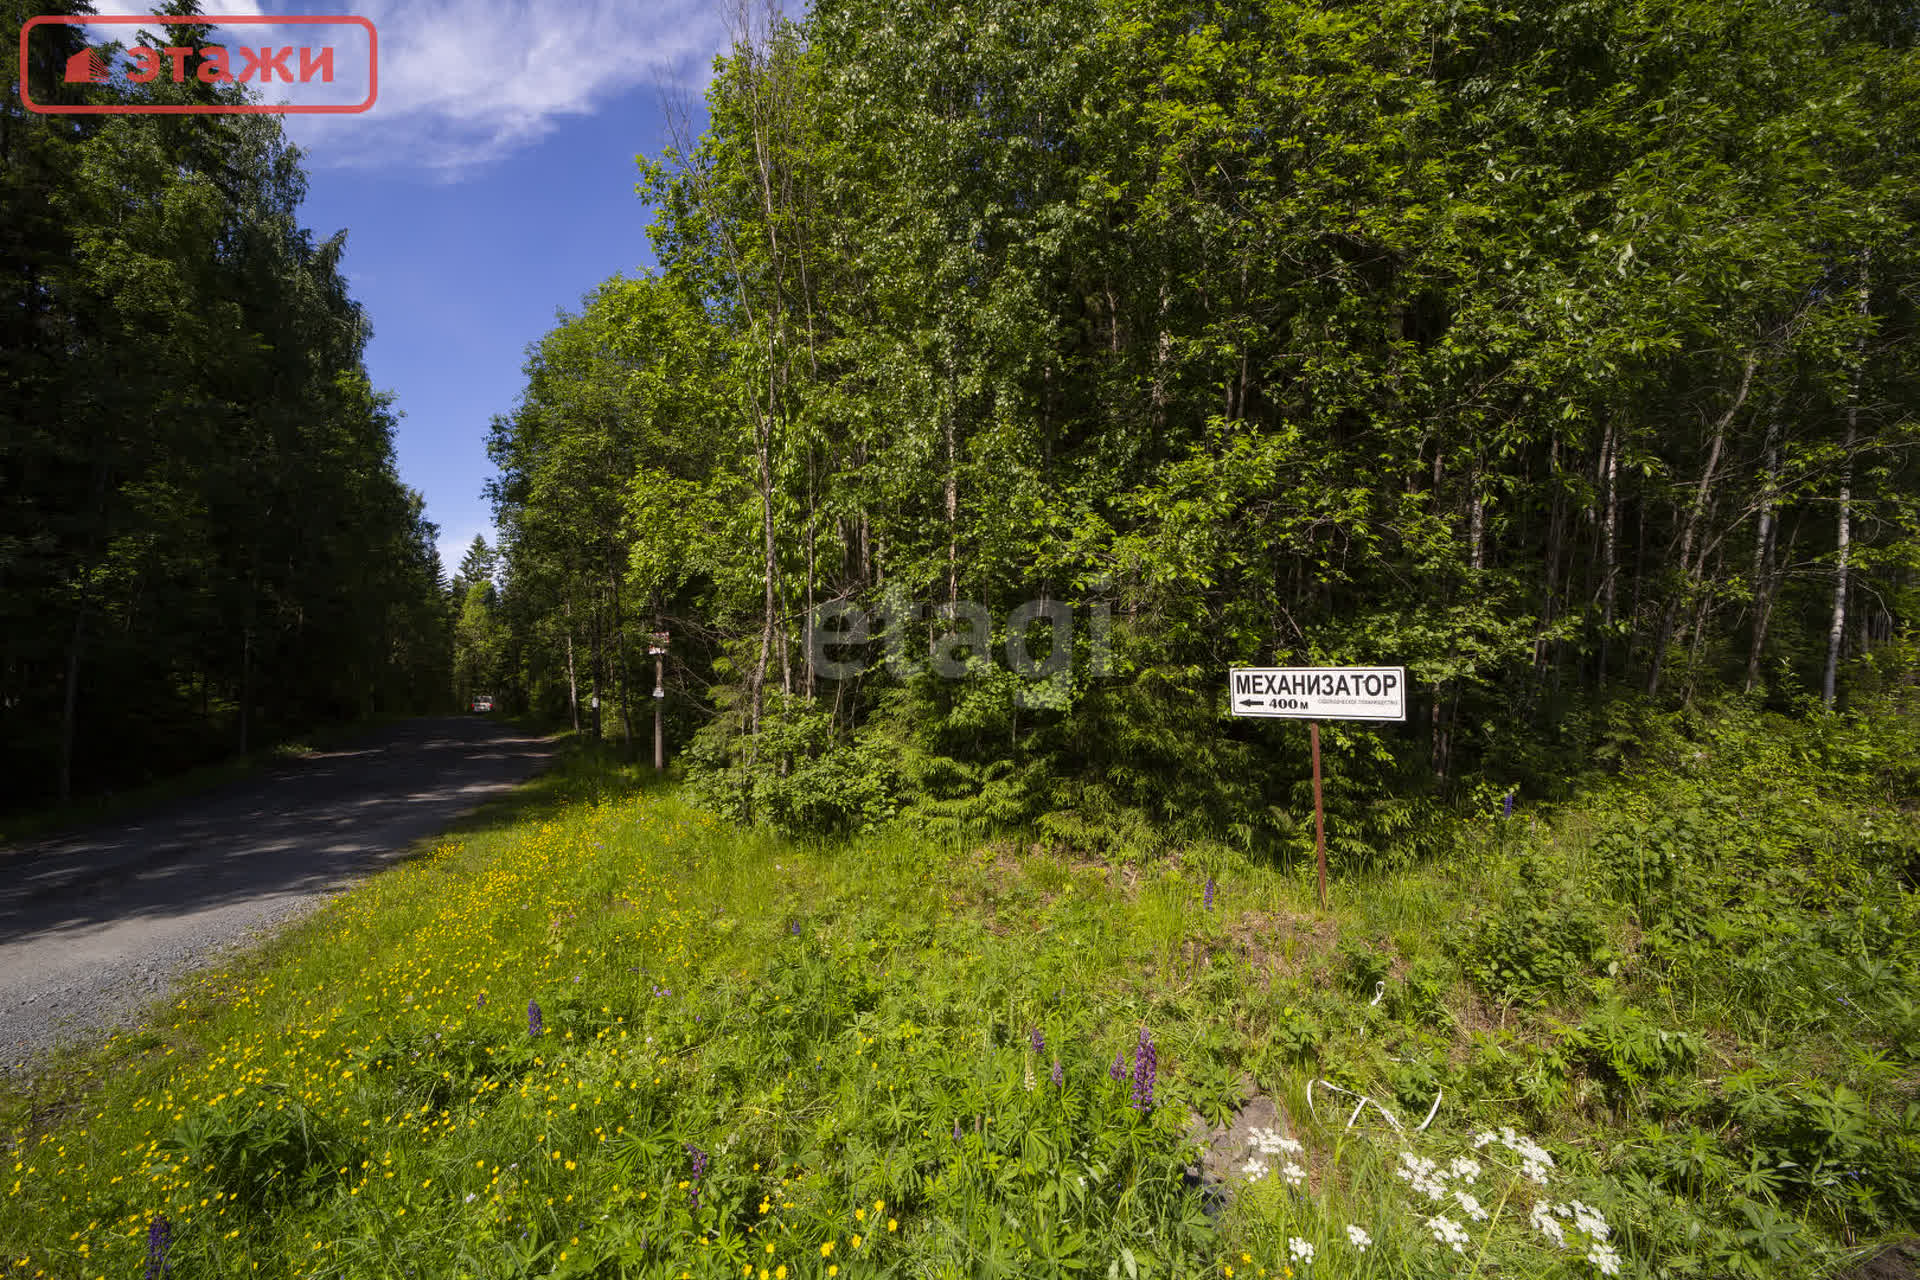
[69, 716]
[246, 676]
[807, 622]
[1476, 526]
[599, 670]
[1837, 628]
[622, 671]
[1610, 527]
[573, 686]
[953, 520]
[1436, 757]
[1700, 614]
[1763, 537]
[763, 448]
[1162, 362]
[1844, 533]
[1556, 535]
[1690, 531]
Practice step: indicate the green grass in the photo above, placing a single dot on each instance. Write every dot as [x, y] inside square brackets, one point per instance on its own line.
[1719, 1059]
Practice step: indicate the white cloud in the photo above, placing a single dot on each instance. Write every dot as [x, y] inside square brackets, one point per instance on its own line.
[464, 83]
[209, 8]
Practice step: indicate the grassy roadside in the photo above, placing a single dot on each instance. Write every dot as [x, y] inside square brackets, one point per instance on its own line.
[1667, 1031]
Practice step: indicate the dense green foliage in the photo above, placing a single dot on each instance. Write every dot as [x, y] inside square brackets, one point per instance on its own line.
[1562, 354]
[203, 540]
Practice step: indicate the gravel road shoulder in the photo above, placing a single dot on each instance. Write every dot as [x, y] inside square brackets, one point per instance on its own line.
[98, 925]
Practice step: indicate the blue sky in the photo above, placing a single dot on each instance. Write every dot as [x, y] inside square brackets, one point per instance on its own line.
[490, 184]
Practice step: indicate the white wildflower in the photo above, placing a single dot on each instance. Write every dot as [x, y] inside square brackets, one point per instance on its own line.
[1301, 1250]
[1543, 1222]
[1603, 1257]
[1293, 1173]
[1534, 1158]
[1466, 1168]
[1254, 1168]
[1588, 1219]
[1358, 1238]
[1448, 1232]
[471, 1197]
[1270, 1142]
[1470, 1206]
[1424, 1174]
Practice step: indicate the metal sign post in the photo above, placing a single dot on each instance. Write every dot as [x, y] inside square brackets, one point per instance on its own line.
[1314, 694]
[657, 646]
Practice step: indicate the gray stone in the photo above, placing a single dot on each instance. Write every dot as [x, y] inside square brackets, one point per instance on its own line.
[1225, 1149]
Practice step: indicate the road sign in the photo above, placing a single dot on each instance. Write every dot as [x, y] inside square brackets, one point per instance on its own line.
[1315, 694]
[1319, 693]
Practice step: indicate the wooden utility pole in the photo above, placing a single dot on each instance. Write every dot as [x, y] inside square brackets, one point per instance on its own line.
[1319, 814]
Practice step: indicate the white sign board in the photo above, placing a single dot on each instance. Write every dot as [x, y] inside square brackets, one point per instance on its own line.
[1319, 693]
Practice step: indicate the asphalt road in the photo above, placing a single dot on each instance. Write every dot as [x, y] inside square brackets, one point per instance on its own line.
[98, 924]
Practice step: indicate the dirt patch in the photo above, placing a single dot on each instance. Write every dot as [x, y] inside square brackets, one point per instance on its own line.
[1281, 944]
[1895, 1262]
[1473, 1014]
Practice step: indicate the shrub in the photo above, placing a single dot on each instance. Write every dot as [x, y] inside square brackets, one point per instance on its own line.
[1531, 946]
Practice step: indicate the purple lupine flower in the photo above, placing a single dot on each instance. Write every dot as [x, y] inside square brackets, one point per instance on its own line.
[1058, 1074]
[1506, 805]
[159, 1239]
[1038, 1041]
[794, 928]
[1209, 893]
[956, 1129]
[1145, 1062]
[1119, 1068]
[480, 1001]
[699, 1171]
[533, 1017]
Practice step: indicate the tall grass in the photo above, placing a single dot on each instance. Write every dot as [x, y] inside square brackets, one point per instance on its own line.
[753, 1055]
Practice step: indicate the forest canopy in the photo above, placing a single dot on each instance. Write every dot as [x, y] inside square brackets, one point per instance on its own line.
[204, 542]
[1563, 354]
